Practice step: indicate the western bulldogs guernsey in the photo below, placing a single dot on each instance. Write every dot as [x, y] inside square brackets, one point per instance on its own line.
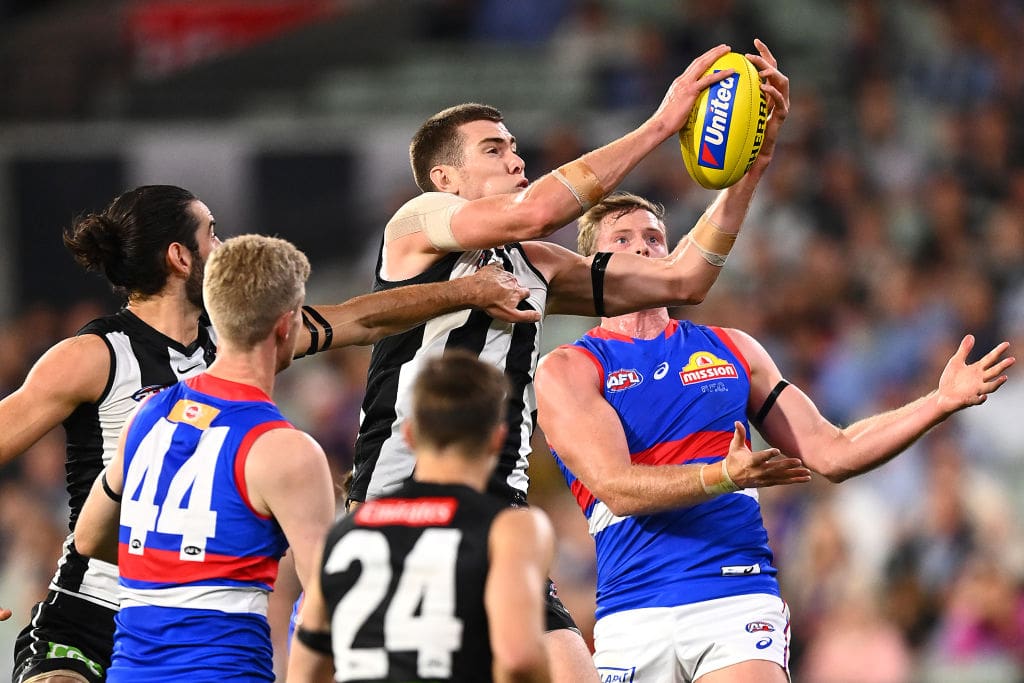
[677, 396]
[142, 361]
[382, 458]
[196, 561]
[403, 580]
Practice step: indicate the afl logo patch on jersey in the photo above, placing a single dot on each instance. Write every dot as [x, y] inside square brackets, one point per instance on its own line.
[704, 366]
[620, 380]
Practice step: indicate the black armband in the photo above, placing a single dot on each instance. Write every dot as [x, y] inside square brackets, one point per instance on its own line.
[770, 401]
[116, 497]
[320, 641]
[314, 336]
[597, 268]
[328, 330]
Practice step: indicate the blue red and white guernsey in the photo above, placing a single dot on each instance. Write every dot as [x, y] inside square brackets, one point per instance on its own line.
[677, 396]
[196, 560]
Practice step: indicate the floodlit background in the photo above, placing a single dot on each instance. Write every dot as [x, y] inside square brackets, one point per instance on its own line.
[890, 224]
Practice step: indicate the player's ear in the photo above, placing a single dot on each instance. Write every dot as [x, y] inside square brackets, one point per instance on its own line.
[179, 258]
[283, 326]
[445, 178]
[408, 433]
[497, 439]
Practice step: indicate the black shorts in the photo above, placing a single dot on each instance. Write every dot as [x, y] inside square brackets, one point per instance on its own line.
[65, 633]
[556, 616]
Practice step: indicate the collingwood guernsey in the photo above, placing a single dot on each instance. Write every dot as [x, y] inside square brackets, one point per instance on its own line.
[142, 361]
[383, 461]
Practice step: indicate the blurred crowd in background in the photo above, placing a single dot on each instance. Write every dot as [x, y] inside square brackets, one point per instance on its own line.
[890, 224]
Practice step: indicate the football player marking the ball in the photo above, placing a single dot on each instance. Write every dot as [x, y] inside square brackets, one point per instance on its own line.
[661, 468]
[151, 244]
[468, 570]
[476, 207]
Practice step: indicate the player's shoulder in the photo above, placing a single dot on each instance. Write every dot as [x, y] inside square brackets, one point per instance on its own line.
[428, 202]
[522, 528]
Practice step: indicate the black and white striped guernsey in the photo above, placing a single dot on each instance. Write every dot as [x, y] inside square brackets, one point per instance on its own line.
[142, 361]
[383, 461]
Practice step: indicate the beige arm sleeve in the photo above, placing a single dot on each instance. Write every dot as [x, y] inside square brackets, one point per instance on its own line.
[430, 213]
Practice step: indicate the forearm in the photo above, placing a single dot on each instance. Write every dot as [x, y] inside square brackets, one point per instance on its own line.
[368, 318]
[875, 440]
[98, 525]
[560, 197]
[729, 209]
[614, 161]
[307, 666]
[647, 490]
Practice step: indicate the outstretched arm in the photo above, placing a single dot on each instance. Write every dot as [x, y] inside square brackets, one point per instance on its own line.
[586, 432]
[632, 282]
[796, 426]
[368, 318]
[73, 372]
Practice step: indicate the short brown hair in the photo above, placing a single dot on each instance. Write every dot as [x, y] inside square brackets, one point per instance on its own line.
[617, 205]
[438, 140]
[250, 281]
[458, 401]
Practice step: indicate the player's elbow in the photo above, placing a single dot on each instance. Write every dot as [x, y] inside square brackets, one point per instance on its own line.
[837, 476]
[86, 543]
[834, 472]
[687, 291]
[619, 503]
[521, 664]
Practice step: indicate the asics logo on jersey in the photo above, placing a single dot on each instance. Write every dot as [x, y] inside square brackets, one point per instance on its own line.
[717, 121]
[620, 380]
[704, 366]
[661, 370]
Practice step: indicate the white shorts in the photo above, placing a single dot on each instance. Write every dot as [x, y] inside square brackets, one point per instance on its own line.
[681, 644]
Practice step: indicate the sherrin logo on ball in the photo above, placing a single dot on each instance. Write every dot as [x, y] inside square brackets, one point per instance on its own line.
[726, 127]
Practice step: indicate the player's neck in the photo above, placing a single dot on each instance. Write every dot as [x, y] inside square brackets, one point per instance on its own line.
[640, 325]
[255, 367]
[439, 469]
[170, 314]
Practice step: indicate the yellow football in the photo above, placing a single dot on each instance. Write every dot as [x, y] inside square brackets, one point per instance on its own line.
[723, 135]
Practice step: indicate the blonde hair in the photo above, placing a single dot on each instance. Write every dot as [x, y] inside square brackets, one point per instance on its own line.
[250, 281]
[619, 204]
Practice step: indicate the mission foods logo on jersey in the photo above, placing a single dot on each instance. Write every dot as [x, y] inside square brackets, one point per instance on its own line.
[620, 380]
[704, 366]
[717, 121]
